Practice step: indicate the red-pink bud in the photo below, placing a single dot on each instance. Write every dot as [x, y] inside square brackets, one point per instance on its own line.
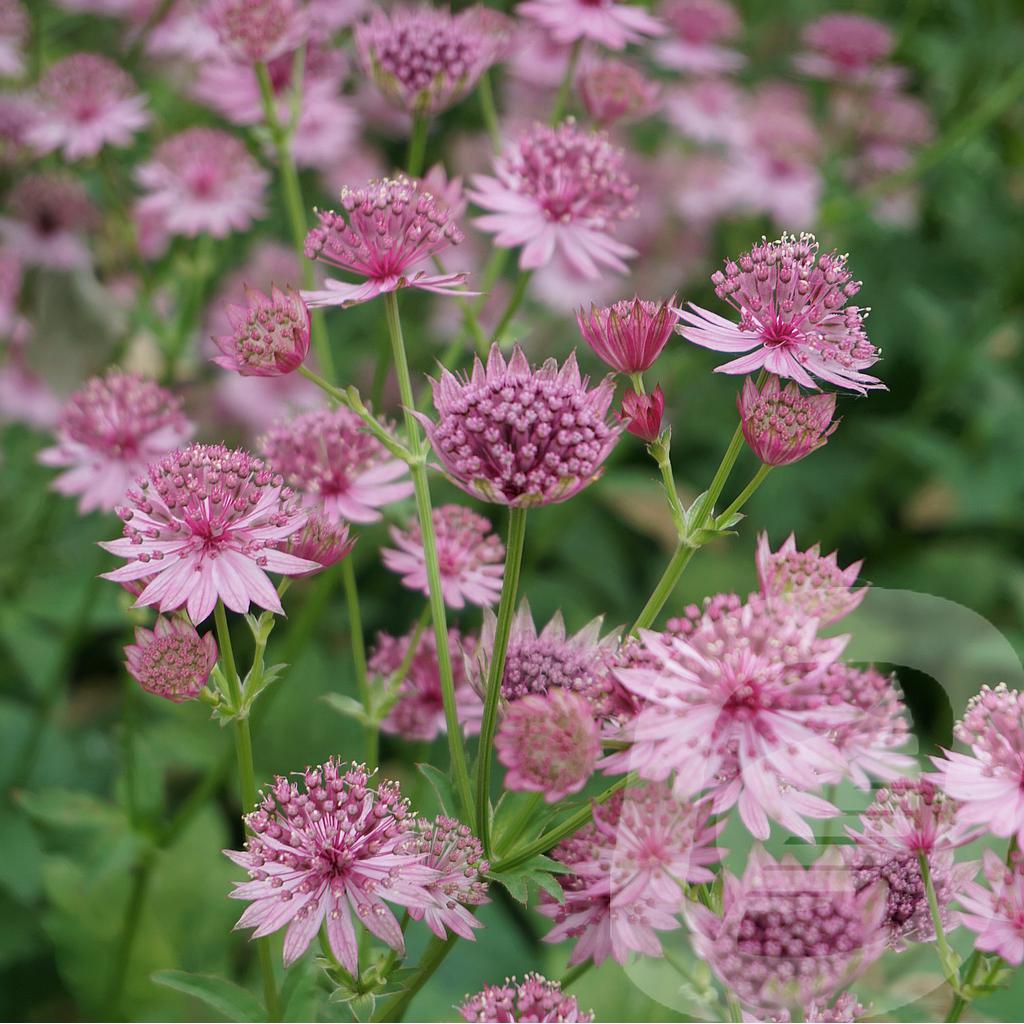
[642, 413]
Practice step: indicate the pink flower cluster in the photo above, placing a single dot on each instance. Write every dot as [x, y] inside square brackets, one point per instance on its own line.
[534, 998]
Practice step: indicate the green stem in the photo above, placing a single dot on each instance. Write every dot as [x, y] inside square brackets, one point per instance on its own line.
[574, 974]
[358, 641]
[721, 476]
[496, 671]
[190, 302]
[660, 452]
[518, 292]
[512, 829]
[744, 496]
[417, 146]
[485, 93]
[945, 952]
[669, 578]
[565, 89]
[142, 874]
[394, 1008]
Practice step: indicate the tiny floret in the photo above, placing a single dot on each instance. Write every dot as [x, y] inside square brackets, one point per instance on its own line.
[535, 998]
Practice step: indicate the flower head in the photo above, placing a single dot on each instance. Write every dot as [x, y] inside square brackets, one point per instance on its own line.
[629, 335]
[49, 213]
[171, 660]
[520, 436]
[14, 26]
[611, 24]
[696, 27]
[202, 181]
[86, 102]
[206, 524]
[996, 914]
[323, 849]
[560, 188]
[388, 228]
[256, 30]
[109, 432]
[471, 556]
[535, 998]
[844, 46]
[327, 456]
[793, 315]
[642, 414]
[321, 541]
[270, 334]
[614, 91]
[780, 424]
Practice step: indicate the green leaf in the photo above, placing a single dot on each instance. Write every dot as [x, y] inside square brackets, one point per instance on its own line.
[65, 808]
[347, 706]
[21, 864]
[442, 787]
[227, 998]
[539, 871]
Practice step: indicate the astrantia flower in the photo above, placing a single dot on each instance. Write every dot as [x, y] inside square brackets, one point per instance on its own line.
[13, 35]
[627, 867]
[989, 781]
[641, 414]
[256, 30]
[611, 24]
[202, 181]
[49, 213]
[471, 556]
[109, 433]
[614, 91]
[548, 743]
[535, 998]
[270, 334]
[562, 189]
[328, 457]
[171, 660]
[517, 436]
[844, 46]
[449, 848]
[423, 59]
[320, 541]
[780, 424]
[86, 102]
[388, 228]
[996, 914]
[326, 849]
[696, 27]
[629, 335]
[206, 524]
[793, 314]
[789, 935]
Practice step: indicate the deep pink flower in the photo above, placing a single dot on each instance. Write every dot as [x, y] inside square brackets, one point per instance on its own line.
[207, 524]
[791, 304]
[534, 999]
[324, 850]
[642, 414]
[49, 213]
[202, 181]
[269, 334]
[257, 30]
[996, 914]
[327, 456]
[613, 91]
[388, 229]
[627, 869]
[471, 555]
[629, 335]
[558, 189]
[171, 660]
[610, 24]
[844, 46]
[519, 436]
[109, 433]
[320, 541]
[780, 424]
[696, 27]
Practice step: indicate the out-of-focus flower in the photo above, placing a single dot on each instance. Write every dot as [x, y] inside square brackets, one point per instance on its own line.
[25, 397]
[709, 110]
[535, 998]
[627, 868]
[11, 276]
[548, 743]
[629, 335]
[518, 436]
[333, 15]
[696, 27]
[780, 424]
[387, 230]
[472, 557]
[202, 181]
[536, 60]
[558, 188]
[606, 22]
[845, 1010]
[320, 541]
[996, 914]
[789, 935]
[207, 524]
[324, 850]
[642, 414]
[48, 215]
[17, 116]
[86, 102]
[109, 432]
[13, 35]
[171, 660]
[327, 456]
[267, 263]
[844, 46]
[614, 91]
[270, 335]
[182, 34]
[257, 30]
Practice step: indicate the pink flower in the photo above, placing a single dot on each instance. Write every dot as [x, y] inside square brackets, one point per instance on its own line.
[320, 541]
[629, 335]
[709, 110]
[388, 229]
[472, 557]
[270, 335]
[17, 116]
[49, 214]
[257, 31]
[14, 28]
[207, 524]
[327, 456]
[171, 660]
[614, 91]
[202, 181]
[844, 46]
[627, 868]
[790, 301]
[268, 263]
[109, 433]
[517, 436]
[562, 189]
[780, 424]
[696, 27]
[86, 102]
[534, 999]
[642, 414]
[549, 743]
[24, 396]
[324, 850]
[605, 22]
[996, 914]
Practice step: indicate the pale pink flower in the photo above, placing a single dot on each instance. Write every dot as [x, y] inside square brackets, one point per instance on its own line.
[202, 181]
[517, 436]
[11, 277]
[333, 15]
[613, 91]
[110, 431]
[171, 660]
[17, 116]
[563, 189]
[642, 414]
[49, 215]
[996, 914]
[629, 335]
[25, 397]
[627, 871]
[326, 849]
[781, 425]
[791, 303]
[207, 524]
[709, 110]
[389, 228]
[183, 34]
[320, 541]
[533, 999]
[696, 28]
[269, 337]
[13, 36]
[257, 30]
[255, 404]
[537, 60]
[471, 555]
[844, 46]
[327, 456]
[606, 22]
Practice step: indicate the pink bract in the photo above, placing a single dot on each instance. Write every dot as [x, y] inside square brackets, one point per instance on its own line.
[781, 425]
[269, 335]
[996, 914]
[611, 24]
[171, 660]
[629, 335]
[642, 414]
